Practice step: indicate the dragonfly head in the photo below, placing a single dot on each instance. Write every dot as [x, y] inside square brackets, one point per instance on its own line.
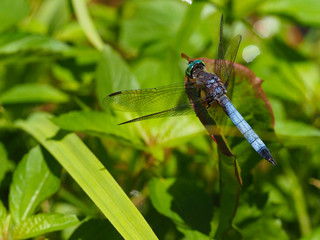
[194, 65]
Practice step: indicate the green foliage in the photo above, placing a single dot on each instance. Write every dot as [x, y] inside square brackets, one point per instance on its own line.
[85, 168]
[43, 223]
[12, 12]
[31, 92]
[60, 59]
[34, 180]
[37, 185]
[187, 205]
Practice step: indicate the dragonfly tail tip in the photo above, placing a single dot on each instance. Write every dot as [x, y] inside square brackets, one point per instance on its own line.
[265, 153]
[271, 160]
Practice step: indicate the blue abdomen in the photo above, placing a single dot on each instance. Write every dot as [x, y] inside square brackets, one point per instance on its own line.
[245, 129]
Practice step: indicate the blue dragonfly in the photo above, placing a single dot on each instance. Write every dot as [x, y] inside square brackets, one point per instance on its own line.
[202, 92]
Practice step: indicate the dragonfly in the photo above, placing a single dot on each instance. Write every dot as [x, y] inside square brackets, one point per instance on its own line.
[204, 90]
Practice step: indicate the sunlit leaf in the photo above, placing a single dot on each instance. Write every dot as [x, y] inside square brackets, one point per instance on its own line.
[293, 133]
[27, 47]
[244, 8]
[40, 224]
[98, 124]
[33, 93]
[268, 228]
[3, 214]
[53, 15]
[3, 220]
[312, 236]
[305, 12]
[296, 129]
[90, 174]
[82, 13]
[188, 25]
[157, 31]
[34, 180]
[11, 12]
[150, 73]
[279, 74]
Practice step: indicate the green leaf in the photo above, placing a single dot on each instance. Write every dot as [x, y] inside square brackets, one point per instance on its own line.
[11, 12]
[91, 175]
[3, 214]
[97, 124]
[267, 228]
[51, 17]
[33, 93]
[149, 72]
[24, 47]
[296, 129]
[156, 23]
[95, 229]
[113, 74]
[313, 235]
[5, 163]
[244, 8]
[188, 26]
[165, 135]
[230, 188]
[34, 180]
[294, 133]
[4, 221]
[40, 224]
[137, 135]
[86, 23]
[11, 43]
[303, 11]
[185, 204]
[287, 83]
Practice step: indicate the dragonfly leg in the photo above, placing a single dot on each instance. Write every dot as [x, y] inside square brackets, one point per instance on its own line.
[199, 93]
[210, 101]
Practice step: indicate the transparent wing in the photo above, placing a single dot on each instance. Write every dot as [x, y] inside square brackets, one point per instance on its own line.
[225, 59]
[220, 64]
[223, 68]
[198, 104]
[181, 110]
[149, 100]
[230, 57]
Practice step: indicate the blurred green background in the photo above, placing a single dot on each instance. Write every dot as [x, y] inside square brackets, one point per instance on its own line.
[55, 59]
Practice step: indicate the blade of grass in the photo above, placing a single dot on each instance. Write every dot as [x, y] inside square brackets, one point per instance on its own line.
[86, 23]
[91, 175]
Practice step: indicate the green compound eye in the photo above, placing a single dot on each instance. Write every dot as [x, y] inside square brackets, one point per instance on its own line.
[193, 64]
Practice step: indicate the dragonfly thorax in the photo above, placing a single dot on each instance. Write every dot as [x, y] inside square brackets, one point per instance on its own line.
[210, 83]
